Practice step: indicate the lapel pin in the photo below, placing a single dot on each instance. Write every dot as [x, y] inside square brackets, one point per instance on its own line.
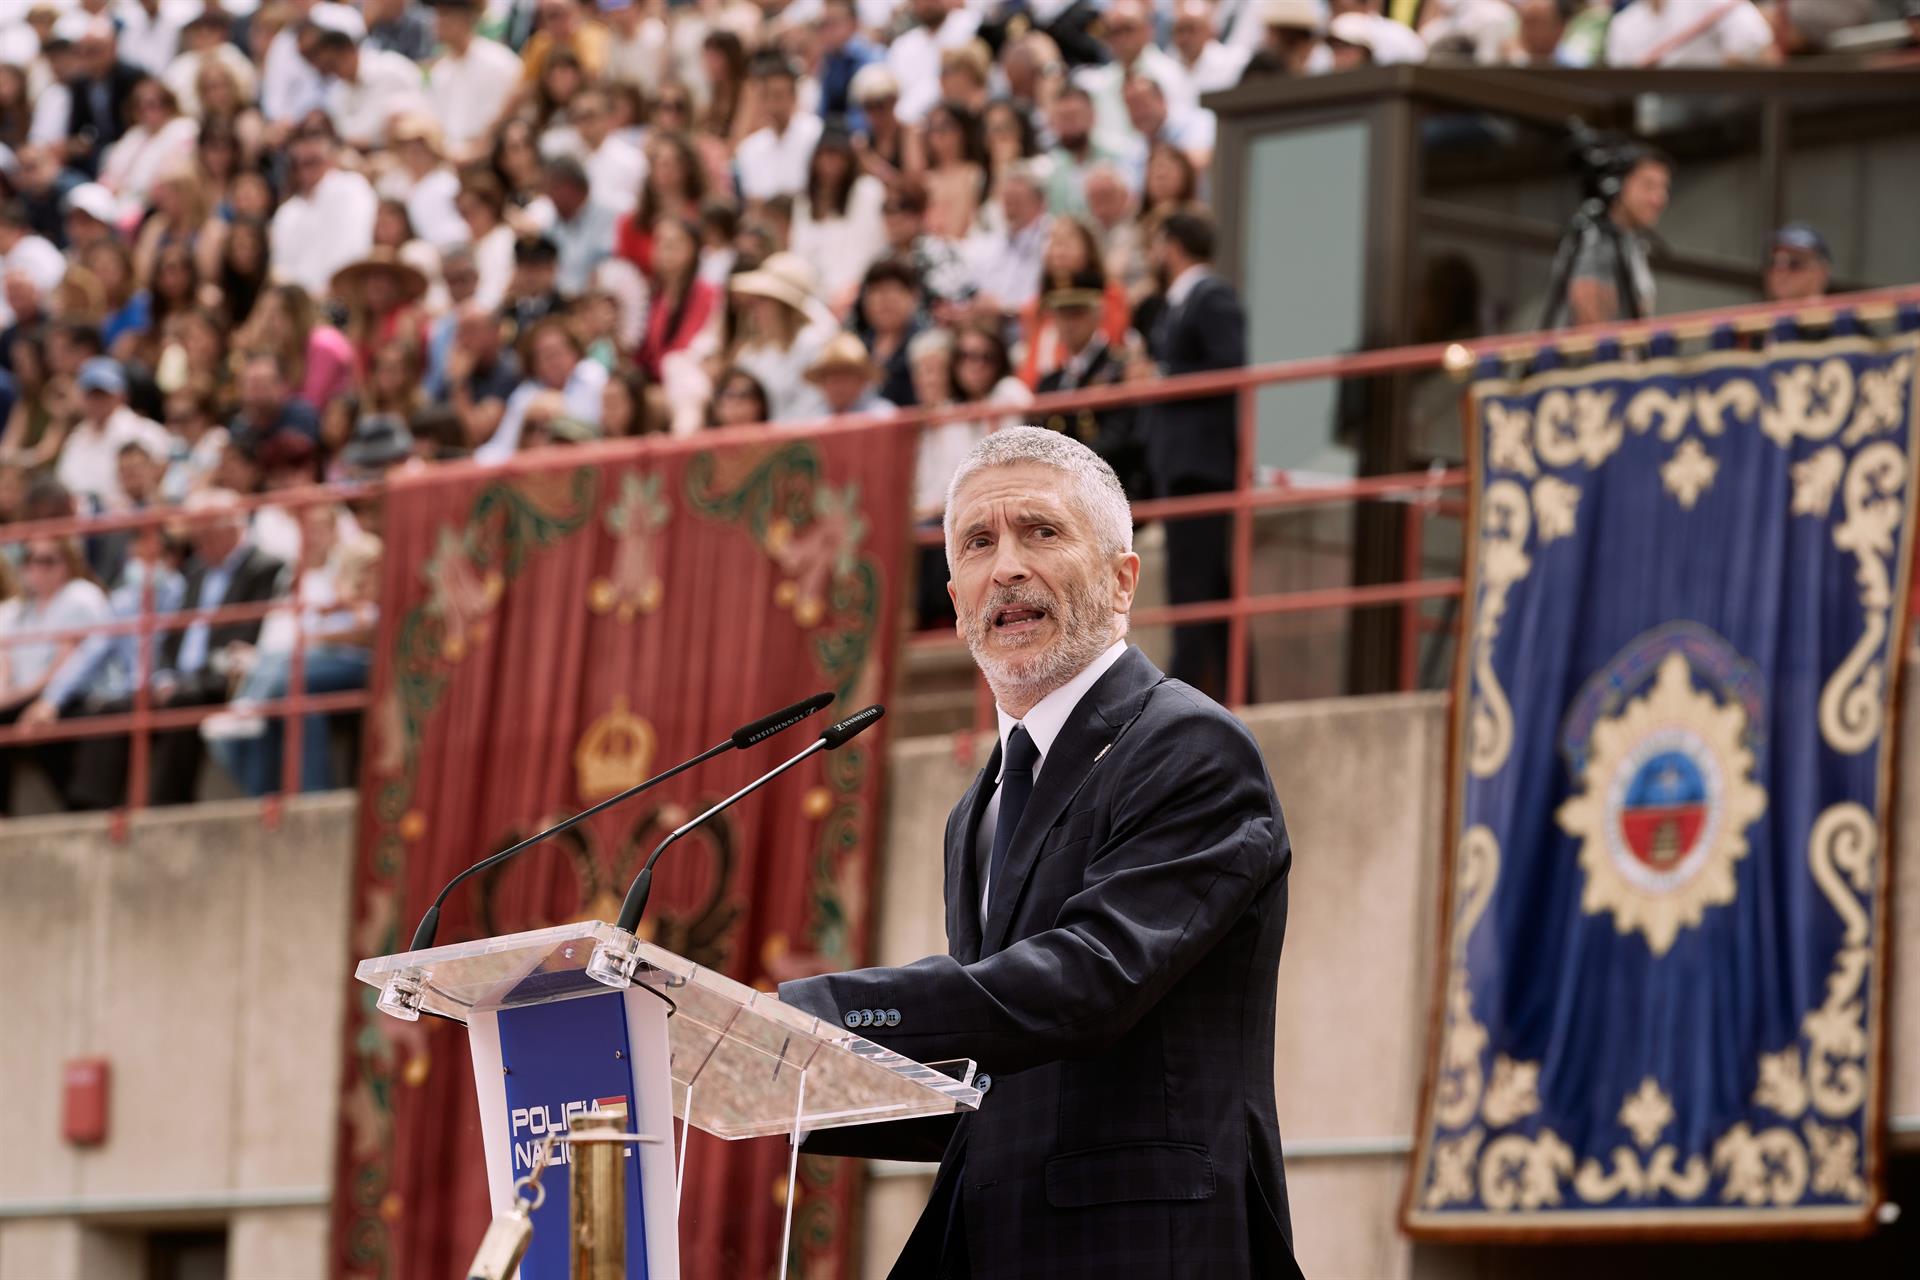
[1103, 751]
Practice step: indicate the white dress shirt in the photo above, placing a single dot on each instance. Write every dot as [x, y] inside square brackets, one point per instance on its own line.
[289, 86]
[315, 235]
[914, 59]
[148, 41]
[1043, 722]
[775, 164]
[1741, 35]
[469, 91]
[385, 85]
[1218, 67]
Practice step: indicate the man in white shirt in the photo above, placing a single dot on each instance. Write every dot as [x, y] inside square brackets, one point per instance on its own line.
[89, 466]
[1193, 133]
[914, 58]
[1211, 65]
[772, 161]
[148, 33]
[290, 87]
[366, 87]
[1128, 33]
[615, 167]
[1007, 266]
[1690, 33]
[470, 83]
[327, 221]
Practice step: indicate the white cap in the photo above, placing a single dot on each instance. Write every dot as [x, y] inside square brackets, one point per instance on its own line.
[1388, 41]
[331, 16]
[95, 201]
[872, 82]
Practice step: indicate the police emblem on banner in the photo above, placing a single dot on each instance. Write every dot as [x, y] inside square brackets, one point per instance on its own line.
[1659, 1002]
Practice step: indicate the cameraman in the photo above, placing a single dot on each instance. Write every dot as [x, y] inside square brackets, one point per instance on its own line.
[1609, 278]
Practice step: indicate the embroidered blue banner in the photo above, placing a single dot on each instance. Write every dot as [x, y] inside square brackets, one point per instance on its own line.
[1662, 988]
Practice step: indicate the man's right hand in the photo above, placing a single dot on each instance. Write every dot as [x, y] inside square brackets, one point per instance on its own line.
[40, 711]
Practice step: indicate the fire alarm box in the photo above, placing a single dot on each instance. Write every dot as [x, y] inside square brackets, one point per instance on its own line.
[83, 1101]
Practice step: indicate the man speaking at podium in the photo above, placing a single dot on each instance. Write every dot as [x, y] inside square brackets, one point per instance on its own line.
[1116, 894]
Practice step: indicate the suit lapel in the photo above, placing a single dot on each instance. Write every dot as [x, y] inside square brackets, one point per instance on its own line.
[963, 873]
[1106, 709]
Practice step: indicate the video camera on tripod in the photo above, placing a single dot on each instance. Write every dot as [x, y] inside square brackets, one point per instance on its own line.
[1603, 159]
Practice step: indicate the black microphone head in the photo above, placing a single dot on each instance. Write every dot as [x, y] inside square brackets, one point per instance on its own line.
[765, 727]
[853, 725]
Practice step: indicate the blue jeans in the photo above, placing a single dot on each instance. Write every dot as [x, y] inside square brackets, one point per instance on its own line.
[255, 762]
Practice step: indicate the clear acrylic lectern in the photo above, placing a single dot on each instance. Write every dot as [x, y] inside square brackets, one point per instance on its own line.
[584, 1017]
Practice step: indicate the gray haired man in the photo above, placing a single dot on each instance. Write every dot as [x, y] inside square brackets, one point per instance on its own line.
[1116, 895]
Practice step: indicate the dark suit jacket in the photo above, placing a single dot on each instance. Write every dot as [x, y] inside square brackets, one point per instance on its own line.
[84, 122]
[1192, 444]
[1119, 1002]
[257, 579]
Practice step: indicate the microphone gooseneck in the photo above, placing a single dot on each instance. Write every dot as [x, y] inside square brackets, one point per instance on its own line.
[831, 738]
[746, 735]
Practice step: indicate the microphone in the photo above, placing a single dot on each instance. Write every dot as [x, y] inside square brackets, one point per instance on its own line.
[747, 735]
[834, 736]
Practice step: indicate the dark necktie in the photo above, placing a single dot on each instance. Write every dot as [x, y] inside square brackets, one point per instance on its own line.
[1016, 787]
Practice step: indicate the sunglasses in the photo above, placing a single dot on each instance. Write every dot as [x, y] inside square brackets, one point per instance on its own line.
[44, 562]
[1794, 262]
[982, 357]
[672, 104]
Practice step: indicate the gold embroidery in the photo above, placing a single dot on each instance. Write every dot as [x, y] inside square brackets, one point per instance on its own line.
[1689, 472]
[1503, 562]
[1457, 1091]
[1512, 1092]
[1814, 480]
[1519, 1172]
[1850, 714]
[1769, 1167]
[1810, 401]
[1554, 505]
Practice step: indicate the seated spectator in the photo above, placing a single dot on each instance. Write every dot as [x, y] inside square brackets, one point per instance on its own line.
[627, 405]
[45, 405]
[382, 297]
[102, 668]
[887, 318]
[424, 181]
[326, 221]
[1075, 153]
[841, 381]
[783, 327]
[553, 361]
[142, 467]
[339, 614]
[773, 160]
[89, 465]
[843, 52]
[1801, 267]
[738, 400]
[1362, 35]
[159, 137]
[1654, 33]
[313, 355]
[580, 229]
[24, 250]
[192, 662]
[1127, 32]
[1477, 31]
[914, 55]
[482, 374]
[837, 223]
[1153, 123]
[55, 592]
[267, 404]
[366, 86]
[380, 443]
[533, 293]
[676, 187]
[681, 305]
[888, 148]
[956, 170]
[472, 81]
[615, 169]
[197, 442]
[1007, 265]
[1292, 39]
[461, 281]
[1211, 66]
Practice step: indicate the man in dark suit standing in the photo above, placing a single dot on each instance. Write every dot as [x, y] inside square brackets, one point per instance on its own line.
[1116, 895]
[224, 570]
[1192, 446]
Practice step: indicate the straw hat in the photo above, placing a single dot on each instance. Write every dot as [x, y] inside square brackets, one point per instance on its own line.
[416, 126]
[844, 353]
[784, 277]
[408, 279]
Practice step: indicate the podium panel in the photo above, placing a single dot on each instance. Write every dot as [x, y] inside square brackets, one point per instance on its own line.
[737, 1053]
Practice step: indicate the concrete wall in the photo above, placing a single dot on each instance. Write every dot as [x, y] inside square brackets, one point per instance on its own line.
[205, 958]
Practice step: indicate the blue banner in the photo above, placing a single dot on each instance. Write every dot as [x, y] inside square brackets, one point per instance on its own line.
[1661, 985]
[561, 1060]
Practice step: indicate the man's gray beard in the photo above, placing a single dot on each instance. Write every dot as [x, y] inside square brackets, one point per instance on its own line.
[1086, 630]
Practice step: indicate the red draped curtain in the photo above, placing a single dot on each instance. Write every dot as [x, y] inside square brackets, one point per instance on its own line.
[550, 637]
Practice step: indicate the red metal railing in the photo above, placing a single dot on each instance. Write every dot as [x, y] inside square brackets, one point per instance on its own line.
[1242, 503]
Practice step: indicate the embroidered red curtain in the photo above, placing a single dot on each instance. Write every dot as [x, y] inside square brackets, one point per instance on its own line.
[547, 640]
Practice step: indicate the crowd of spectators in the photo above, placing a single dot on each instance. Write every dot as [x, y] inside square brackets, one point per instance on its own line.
[251, 244]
